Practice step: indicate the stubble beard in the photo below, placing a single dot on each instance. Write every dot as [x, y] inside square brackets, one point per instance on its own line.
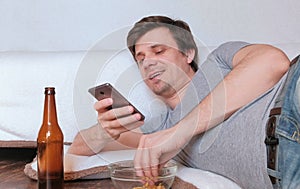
[163, 90]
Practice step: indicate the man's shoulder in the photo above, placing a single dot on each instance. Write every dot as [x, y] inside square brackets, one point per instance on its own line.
[225, 52]
[229, 46]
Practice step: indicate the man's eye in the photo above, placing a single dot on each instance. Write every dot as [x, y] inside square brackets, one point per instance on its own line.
[160, 52]
[140, 61]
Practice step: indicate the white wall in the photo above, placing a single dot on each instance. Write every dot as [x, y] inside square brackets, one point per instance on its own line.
[68, 25]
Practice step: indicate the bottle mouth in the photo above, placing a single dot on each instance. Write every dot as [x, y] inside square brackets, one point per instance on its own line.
[49, 90]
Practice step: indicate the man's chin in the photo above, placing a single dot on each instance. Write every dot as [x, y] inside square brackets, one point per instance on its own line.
[160, 89]
[157, 88]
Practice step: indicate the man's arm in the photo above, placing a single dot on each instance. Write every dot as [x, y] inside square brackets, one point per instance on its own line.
[91, 141]
[256, 69]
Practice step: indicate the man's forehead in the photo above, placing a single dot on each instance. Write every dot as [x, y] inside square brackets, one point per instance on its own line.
[156, 37]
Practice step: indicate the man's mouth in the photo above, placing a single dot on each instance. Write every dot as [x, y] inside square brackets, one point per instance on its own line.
[154, 75]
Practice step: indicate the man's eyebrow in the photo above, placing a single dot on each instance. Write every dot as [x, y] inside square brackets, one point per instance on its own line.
[158, 45]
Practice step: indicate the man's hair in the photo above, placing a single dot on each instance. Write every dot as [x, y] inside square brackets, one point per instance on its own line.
[179, 29]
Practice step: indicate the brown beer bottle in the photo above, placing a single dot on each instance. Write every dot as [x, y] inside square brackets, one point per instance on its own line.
[50, 153]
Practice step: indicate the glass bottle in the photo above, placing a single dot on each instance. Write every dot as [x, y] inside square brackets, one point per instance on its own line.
[50, 153]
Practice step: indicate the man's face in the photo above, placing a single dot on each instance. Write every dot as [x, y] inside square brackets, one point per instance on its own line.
[163, 67]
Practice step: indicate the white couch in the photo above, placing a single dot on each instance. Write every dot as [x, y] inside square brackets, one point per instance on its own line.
[23, 76]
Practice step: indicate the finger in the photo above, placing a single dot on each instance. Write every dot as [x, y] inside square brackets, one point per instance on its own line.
[103, 105]
[114, 129]
[154, 162]
[126, 111]
[138, 158]
[134, 125]
[145, 162]
[151, 155]
[116, 113]
[130, 122]
[108, 115]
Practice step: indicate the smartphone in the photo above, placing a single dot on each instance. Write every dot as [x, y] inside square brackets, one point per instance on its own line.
[106, 90]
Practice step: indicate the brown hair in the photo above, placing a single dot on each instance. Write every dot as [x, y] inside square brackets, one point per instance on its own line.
[180, 31]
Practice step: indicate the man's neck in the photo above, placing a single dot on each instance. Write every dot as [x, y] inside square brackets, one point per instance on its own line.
[174, 100]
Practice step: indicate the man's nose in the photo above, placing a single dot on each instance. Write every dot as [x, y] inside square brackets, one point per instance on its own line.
[149, 61]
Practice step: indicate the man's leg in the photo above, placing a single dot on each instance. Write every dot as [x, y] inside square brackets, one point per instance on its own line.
[288, 133]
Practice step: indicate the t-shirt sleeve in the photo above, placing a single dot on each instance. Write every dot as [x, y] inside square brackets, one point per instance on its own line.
[219, 62]
[225, 53]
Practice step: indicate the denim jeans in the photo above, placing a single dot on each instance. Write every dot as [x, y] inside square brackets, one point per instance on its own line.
[288, 133]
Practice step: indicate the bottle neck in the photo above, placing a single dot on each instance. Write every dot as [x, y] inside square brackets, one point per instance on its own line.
[50, 116]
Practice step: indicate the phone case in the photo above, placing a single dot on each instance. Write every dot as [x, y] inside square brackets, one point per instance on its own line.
[106, 90]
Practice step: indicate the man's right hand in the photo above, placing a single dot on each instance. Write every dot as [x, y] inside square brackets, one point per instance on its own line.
[118, 120]
[111, 124]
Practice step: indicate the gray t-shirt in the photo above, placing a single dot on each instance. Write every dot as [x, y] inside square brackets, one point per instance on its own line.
[234, 148]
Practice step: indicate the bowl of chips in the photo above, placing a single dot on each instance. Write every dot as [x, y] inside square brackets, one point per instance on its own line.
[123, 176]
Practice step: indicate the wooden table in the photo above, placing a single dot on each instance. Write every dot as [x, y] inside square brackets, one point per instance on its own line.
[13, 161]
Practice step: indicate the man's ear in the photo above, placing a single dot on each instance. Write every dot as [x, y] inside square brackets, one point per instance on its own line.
[190, 54]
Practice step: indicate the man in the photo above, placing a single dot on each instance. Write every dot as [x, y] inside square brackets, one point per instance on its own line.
[216, 114]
